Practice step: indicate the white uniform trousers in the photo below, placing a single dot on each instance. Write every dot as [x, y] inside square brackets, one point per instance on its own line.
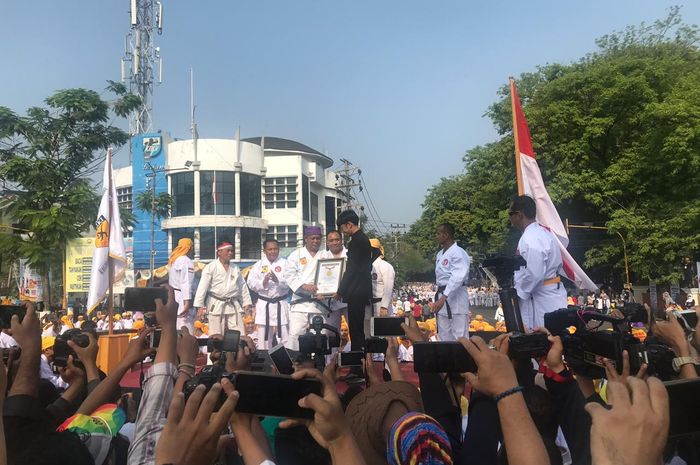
[452, 329]
[219, 323]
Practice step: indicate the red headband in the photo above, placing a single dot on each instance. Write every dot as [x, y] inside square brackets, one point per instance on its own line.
[224, 245]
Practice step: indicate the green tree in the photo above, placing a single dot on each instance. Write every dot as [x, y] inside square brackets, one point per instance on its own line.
[44, 157]
[162, 204]
[617, 137]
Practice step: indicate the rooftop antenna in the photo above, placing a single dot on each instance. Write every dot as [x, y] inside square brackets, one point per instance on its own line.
[141, 60]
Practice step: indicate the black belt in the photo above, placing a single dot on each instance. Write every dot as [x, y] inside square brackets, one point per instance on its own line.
[376, 299]
[303, 300]
[440, 290]
[230, 300]
[272, 300]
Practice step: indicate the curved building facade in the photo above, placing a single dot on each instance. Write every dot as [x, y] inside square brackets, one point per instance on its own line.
[226, 189]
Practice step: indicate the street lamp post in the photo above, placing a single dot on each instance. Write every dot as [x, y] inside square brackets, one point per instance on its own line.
[603, 228]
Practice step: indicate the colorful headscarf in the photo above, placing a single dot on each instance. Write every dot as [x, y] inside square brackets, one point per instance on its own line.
[184, 246]
[417, 439]
[96, 430]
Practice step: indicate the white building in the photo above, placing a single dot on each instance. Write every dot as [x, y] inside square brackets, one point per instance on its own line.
[234, 191]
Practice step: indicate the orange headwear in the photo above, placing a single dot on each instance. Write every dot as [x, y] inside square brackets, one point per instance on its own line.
[184, 246]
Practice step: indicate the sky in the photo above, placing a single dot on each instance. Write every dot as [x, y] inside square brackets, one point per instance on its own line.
[398, 87]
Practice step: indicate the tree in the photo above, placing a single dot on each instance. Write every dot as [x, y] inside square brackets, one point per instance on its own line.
[162, 205]
[617, 137]
[45, 156]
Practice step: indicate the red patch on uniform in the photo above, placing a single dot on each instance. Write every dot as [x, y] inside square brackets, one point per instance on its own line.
[374, 276]
[278, 269]
[444, 262]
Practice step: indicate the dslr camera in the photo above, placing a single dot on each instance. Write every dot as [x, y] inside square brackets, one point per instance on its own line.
[61, 349]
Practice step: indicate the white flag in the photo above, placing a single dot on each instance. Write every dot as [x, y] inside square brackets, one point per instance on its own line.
[109, 242]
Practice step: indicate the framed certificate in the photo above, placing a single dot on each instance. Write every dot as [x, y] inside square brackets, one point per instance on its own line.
[328, 274]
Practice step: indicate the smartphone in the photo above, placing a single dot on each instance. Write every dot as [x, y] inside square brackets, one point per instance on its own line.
[442, 357]
[376, 345]
[143, 299]
[684, 403]
[351, 359]
[231, 341]
[281, 359]
[155, 338]
[61, 351]
[274, 395]
[688, 319]
[6, 312]
[387, 326]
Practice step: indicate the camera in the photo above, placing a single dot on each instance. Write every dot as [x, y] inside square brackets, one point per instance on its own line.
[13, 353]
[531, 345]
[587, 348]
[61, 349]
[210, 375]
[315, 344]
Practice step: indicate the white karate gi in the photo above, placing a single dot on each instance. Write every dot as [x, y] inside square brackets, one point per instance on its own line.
[264, 309]
[180, 278]
[301, 269]
[541, 251]
[216, 284]
[383, 275]
[452, 272]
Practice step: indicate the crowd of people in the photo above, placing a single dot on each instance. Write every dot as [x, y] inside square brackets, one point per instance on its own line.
[506, 408]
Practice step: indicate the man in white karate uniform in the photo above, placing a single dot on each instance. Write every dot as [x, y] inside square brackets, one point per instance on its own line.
[266, 279]
[300, 275]
[538, 285]
[180, 278]
[451, 273]
[222, 293]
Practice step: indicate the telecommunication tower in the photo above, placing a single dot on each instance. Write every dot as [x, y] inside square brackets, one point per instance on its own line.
[141, 58]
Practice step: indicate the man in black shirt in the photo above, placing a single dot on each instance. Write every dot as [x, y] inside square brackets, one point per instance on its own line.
[356, 284]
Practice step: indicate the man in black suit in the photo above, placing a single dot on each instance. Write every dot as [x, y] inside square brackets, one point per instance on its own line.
[356, 284]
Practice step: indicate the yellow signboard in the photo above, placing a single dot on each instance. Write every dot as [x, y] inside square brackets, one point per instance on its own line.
[79, 264]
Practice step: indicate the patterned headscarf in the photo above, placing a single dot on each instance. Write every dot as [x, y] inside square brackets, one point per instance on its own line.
[183, 247]
[417, 439]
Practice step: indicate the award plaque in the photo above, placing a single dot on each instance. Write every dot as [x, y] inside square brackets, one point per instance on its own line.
[328, 274]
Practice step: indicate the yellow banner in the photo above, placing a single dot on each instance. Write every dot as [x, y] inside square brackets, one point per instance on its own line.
[79, 264]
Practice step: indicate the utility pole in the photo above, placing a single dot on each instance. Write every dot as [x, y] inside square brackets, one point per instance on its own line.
[142, 57]
[395, 228]
[345, 181]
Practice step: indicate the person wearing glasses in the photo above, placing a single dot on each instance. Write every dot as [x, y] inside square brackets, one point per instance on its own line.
[538, 285]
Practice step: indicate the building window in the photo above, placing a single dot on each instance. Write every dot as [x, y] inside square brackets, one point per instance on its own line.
[209, 237]
[250, 195]
[330, 214]
[281, 192]
[305, 197]
[181, 233]
[183, 194]
[285, 235]
[251, 244]
[223, 191]
[124, 197]
[314, 207]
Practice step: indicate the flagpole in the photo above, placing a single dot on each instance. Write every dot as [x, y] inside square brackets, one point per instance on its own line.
[110, 264]
[518, 168]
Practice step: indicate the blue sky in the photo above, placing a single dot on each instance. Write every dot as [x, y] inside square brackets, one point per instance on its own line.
[398, 87]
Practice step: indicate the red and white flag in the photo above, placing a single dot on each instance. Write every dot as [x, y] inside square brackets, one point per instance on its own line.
[530, 183]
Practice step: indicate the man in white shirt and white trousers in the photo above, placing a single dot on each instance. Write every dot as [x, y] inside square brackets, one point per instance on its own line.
[223, 294]
[266, 279]
[301, 276]
[538, 285]
[451, 275]
[180, 278]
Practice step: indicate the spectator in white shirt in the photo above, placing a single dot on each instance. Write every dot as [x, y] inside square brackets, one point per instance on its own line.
[46, 367]
[405, 350]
